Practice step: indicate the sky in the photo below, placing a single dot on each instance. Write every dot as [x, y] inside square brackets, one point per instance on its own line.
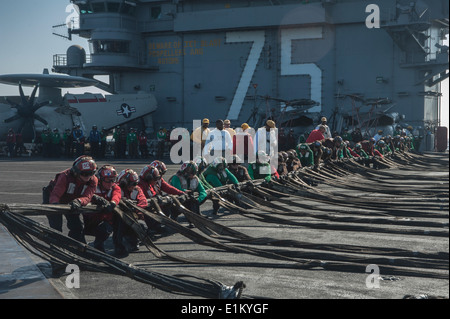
[27, 44]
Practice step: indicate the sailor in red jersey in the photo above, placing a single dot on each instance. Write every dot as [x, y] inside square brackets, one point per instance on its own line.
[317, 135]
[128, 182]
[74, 186]
[369, 147]
[153, 185]
[161, 186]
[108, 196]
[147, 178]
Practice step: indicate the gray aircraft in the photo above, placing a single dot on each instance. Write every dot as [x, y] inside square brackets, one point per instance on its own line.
[51, 110]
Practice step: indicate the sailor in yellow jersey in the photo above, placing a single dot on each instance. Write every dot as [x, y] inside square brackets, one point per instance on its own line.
[199, 135]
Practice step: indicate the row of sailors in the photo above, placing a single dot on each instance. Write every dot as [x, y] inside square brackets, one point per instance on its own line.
[78, 184]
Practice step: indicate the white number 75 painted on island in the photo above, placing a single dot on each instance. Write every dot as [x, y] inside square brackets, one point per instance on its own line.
[287, 68]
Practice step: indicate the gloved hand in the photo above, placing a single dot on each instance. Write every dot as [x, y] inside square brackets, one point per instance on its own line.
[110, 207]
[75, 205]
[100, 201]
[191, 196]
[237, 187]
[159, 199]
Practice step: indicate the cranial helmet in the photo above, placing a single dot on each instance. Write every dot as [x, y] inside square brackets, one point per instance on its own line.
[219, 163]
[84, 165]
[127, 178]
[201, 162]
[302, 147]
[162, 168]
[150, 173]
[292, 154]
[188, 168]
[107, 172]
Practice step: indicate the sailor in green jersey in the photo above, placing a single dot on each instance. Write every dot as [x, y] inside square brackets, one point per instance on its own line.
[202, 164]
[346, 135]
[305, 155]
[398, 130]
[46, 142]
[409, 139]
[161, 137]
[260, 169]
[339, 148]
[132, 142]
[187, 181]
[414, 138]
[55, 138]
[217, 173]
[358, 150]
[390, 143]
[67, 140]
[382, 147]
[346, 149]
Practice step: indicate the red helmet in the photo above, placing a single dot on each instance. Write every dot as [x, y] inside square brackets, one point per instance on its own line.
[107, 172]
[150, 173]
[84, 165]
[160, 166]
[128, 177]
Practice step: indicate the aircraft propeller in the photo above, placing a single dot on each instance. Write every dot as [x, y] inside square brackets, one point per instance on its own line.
[26, 111]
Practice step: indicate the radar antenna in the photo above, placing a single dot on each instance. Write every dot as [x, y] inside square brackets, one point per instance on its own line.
[67, 36]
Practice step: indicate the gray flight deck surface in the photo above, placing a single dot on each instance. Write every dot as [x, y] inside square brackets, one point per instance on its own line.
[21, 273]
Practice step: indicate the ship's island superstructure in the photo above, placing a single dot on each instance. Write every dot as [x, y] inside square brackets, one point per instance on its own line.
[359, 63]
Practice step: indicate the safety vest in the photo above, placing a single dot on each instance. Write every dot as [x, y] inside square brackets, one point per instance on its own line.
[133, 195]
[157, 187]
[191, 184]
[74, 188]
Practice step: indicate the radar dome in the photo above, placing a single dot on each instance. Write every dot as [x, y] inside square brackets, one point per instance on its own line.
[76, 56]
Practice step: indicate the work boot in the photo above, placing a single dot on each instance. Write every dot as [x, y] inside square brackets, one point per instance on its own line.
[215, 207]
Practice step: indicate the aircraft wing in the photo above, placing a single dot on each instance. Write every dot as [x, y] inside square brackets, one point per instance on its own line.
[47, 80]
